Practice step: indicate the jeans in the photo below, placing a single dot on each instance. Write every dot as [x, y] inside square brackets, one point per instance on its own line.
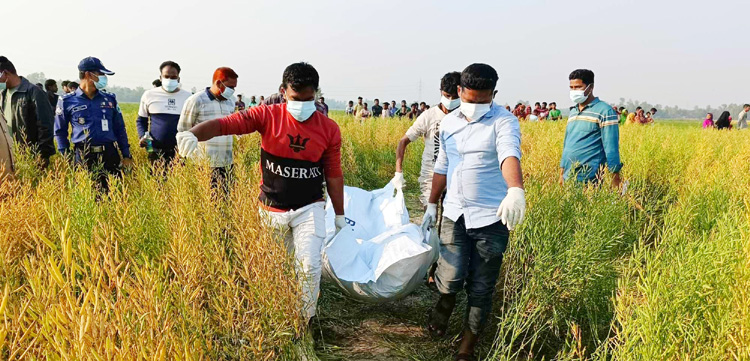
[471, 259]
[303, 231]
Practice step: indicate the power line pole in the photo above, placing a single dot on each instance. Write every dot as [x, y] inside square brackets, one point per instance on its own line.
[420, 90]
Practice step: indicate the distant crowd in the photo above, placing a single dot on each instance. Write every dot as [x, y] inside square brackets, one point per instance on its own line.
[725, 120]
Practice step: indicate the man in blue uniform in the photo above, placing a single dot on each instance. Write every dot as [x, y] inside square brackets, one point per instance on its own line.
[98, 126]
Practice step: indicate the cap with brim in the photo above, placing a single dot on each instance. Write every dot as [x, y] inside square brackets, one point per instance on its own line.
[93, 64]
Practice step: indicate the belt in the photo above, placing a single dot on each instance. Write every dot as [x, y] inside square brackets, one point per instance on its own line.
[91, 148]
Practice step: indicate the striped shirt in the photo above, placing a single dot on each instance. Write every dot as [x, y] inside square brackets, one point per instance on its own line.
[204, 106]
[592, 141]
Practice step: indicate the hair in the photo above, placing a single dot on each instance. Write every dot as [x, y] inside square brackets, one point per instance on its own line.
[6, 65]
[359, 98]
[422, 103]
[545, 103]
[377, 100]
[537, 103]
[323, 98]
[365, 105]
[449, 83]
[170, 63]
[585, 75]
[49, 82]
[653, 110]
[72, 85]
[553, 103]
[351, 102]
[638, 108]
[224, 73]
[710, 115]
[746, 106]
[299, 76]
[65, 82]
[723, 121]
[239, 96]
[156, 83]
[403, 101]
[479, 76]
[622, 108]
[39, 85]
[415, 104]
[81, 74]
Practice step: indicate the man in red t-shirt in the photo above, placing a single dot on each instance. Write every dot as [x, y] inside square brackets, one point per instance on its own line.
[300, 147]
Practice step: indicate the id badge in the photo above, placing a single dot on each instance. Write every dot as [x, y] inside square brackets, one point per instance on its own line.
[105, 125]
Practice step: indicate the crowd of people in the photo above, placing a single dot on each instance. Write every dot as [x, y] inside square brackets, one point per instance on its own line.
[470, 181]
[725, 120]
[540, 112]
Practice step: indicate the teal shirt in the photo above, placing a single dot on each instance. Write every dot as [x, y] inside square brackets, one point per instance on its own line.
[592, 141]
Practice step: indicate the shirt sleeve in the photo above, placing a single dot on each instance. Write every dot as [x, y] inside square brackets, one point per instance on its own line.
[332, 156]
[45, 124]
[507, 138]
[611, 141]
[120, 132]
[188, 116]
[141, 123]
[62, 118]
[441, 164]
[418, 129]
[246, 121]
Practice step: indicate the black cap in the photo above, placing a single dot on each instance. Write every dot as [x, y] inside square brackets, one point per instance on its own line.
[93, 64]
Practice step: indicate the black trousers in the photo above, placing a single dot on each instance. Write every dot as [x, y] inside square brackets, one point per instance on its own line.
[100, 161]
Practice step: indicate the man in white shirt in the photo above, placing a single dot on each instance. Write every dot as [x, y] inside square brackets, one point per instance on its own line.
[159, 113]
[480, 161]
[214, 102]
[427, 126]
[742, 118]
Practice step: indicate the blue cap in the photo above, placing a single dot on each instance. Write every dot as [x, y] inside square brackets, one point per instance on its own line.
[93, 64]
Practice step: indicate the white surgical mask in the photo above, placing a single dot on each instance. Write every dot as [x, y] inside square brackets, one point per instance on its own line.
[170, 85]
[474, 111]
[579, 96]
[227, 93]
[300, 110]
[450, 104]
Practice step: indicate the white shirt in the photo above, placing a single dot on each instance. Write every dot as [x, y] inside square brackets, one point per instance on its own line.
[471, 154]
[427, 125]
[159, 101]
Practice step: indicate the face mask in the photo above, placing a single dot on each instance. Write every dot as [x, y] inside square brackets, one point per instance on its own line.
[300, 110]
[227, 93]
[170, 85]
[450, 104]
[101, 83]
[3, 86]
[474, 111]
[579, 96]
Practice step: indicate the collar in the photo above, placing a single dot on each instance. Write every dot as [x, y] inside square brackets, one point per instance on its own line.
[210, 95]
[24, 86]
[589, 105]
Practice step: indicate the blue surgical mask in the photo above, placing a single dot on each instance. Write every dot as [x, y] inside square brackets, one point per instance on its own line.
[300, 110]
[101, 83]
[579, 96]
[170, 85]
[3, 86]
[450, 104]
[227, 93]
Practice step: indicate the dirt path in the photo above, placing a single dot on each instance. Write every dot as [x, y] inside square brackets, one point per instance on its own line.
[350, 330]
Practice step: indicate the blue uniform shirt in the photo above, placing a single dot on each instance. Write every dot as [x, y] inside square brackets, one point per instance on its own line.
[592, 141]
[97, 121]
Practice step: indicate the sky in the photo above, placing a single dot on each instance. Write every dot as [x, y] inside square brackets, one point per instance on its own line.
[686, 53]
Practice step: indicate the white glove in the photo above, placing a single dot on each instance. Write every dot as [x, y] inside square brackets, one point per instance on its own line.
[187, 143]
[430, 216]
[512, 208]
[398, 180]
[340, 222]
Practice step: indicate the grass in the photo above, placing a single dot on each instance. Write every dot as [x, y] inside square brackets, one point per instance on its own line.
[165, 269]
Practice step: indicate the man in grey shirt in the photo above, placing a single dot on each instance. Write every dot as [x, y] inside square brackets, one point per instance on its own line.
[742, 118]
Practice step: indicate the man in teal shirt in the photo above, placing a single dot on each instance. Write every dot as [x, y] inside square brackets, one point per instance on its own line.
[592, 137]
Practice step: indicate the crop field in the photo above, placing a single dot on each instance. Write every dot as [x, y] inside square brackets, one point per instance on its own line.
[164, 269]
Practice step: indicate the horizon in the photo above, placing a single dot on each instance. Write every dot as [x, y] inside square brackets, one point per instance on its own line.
[404, 55]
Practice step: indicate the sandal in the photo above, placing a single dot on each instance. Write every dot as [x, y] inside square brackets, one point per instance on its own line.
[465, 357]
[439, 317]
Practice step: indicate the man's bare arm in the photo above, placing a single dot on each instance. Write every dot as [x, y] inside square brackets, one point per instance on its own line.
[400, 151]
[335, 188]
